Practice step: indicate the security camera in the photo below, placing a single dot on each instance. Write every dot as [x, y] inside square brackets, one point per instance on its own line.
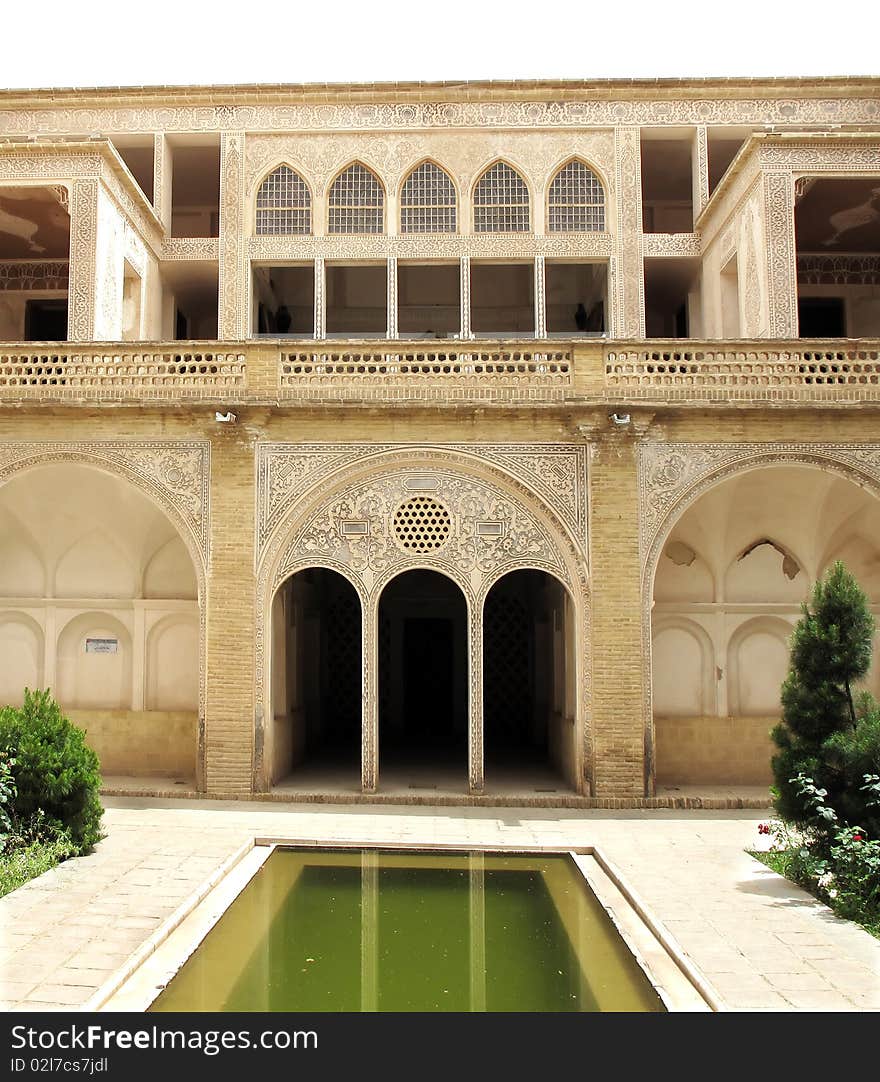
[225, 418]
[620, 418]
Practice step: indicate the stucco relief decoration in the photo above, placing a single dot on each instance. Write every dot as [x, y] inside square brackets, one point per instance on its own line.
[523, 114]
[231, 282]
[779, 199]
[319, 158]
[556, 474]
[471, 549]
[629, 278]
[177, 473]
[436, 246]
[83, 241]
[37, 275]
[750, 245]
[671, 474]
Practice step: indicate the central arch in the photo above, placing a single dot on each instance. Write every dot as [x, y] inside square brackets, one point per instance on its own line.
[423, 679]
[374, 514]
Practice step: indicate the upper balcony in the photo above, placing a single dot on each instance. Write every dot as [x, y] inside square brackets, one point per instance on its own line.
[443, 374]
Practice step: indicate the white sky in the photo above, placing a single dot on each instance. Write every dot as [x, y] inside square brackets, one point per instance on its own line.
[142, 42]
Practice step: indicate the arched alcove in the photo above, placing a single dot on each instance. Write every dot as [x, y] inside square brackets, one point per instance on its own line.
[105, 569]
[765, 532]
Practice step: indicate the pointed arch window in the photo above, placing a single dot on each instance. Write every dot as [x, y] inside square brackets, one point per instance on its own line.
[577, 200]
[427, 201]
[501, 201]
[284, 204]
[357, 202]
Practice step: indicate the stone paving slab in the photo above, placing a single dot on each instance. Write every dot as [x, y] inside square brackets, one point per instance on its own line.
[760, 942]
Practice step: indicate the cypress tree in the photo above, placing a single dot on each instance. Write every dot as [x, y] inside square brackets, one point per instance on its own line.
[831, 651]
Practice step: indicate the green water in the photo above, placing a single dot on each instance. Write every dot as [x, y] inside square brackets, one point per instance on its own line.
[389, 931]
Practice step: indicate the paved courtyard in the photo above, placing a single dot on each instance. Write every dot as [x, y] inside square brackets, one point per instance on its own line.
[760, 943]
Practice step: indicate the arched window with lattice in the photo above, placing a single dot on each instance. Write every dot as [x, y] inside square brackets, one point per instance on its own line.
[357, 202]
[501, 201]
[577, 200]
[284, 204]
[427, 201]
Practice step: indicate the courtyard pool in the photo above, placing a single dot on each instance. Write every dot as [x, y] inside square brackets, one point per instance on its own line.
[368, 930]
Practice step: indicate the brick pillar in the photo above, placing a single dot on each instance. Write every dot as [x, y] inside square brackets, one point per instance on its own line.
[229, 710]
[617, 710]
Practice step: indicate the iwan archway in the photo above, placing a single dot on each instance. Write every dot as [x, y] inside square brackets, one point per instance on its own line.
[731, 570]
[100, 602]
[423, 536]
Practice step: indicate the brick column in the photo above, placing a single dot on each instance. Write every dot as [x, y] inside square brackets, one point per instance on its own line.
[229, 709]
[615, 570]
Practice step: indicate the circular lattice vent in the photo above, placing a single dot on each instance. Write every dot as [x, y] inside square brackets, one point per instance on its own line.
[422, 524]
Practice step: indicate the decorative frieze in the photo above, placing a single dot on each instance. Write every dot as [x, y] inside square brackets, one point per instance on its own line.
[29, 275]
[821, 269]
[582, 109]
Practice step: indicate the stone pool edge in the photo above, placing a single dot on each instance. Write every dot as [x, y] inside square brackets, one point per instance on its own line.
[135, 986]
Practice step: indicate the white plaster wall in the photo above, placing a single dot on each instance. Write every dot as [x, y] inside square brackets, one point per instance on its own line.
[109, 270]
[678, 673]
[172, 669]
[21, 658]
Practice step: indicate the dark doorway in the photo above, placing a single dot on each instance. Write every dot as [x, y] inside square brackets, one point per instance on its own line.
[821, 317]
[316, 686]
[423, 699]
[45, 321]
[528, 680]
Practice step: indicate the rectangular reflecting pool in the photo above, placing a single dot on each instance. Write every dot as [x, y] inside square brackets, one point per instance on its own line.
[367, 930]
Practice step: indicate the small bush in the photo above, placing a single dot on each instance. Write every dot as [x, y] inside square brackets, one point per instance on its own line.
[20, 864]
[55, 772]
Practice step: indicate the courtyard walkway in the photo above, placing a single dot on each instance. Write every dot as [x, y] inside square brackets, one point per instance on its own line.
[761, 943]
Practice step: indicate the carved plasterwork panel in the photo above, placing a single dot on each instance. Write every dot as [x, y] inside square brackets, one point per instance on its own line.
[591, 110]
[464, 155]
[432, 246]
[201, 248]
[233, 279]
[286, 473]
[822, 158]
[701, 156]
[751, 243]
[466, 555]
[672, 244]
[28, 275]
[850, 270]
[83, 253]
[781, 267]
[629, 286]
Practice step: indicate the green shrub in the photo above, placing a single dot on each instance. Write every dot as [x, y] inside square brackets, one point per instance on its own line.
[7, 793]
[850, 756]
[830, 651]
[55, 771]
